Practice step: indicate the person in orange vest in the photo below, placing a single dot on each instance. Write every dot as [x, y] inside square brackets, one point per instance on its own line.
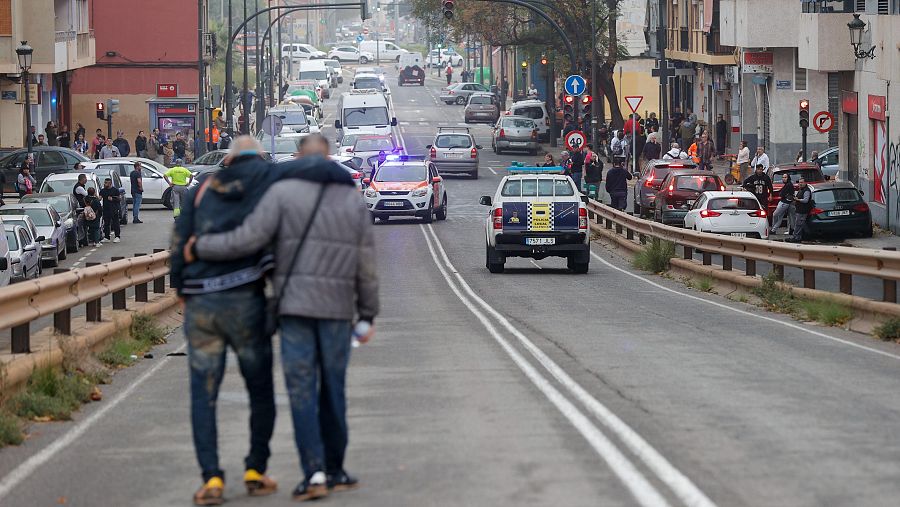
[214, 140]
[692, 152]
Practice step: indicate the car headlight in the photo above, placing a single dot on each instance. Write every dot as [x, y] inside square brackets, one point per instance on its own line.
[371, 193]
[421, 192]
[47, 242]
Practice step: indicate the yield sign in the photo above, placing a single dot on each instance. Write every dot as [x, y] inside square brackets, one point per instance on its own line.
[634, 101]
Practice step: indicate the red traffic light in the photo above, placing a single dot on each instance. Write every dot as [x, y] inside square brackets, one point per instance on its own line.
[586, 99]
[543, 60]
[804, 105]
[448, 8]
[568, 99]
[100, 106]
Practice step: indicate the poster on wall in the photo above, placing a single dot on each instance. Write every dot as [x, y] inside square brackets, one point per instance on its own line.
[880, 161]
[170, 126]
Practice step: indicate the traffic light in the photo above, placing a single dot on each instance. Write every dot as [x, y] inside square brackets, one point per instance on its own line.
[586, 100]
[364, 10]
[544, 60]
[112, 106]
[524, 64]
[448, 8]
[568, 107]
[101, 111]
[804, 113]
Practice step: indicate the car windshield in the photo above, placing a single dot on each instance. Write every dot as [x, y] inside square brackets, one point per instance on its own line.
[40, 217]
[292, 117]
[362, 116]
[12, 240]
[332, 63]
[314, 75]
[282, 144]
[810, 175]
[480, 99]
[211, 158]
[400, 173]
[729, 203]
[534, 112]
[698, 183]
[63, 185]
[348, 140]
[374, 144]
[60, 203]
[363, 83]
[453, 141]
[836, 195]
[519, 123]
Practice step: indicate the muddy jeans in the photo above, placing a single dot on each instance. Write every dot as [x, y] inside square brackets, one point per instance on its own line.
[212, 323]
[315, 353]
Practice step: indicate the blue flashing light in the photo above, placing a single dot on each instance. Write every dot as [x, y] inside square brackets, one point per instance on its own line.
[404, 158]
[521, 169]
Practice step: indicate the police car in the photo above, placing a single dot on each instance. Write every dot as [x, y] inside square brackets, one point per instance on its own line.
[537, 213]
[406, 186]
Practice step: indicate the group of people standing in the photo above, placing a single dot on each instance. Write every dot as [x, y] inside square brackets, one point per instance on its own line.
[156, 146]
[795, 202]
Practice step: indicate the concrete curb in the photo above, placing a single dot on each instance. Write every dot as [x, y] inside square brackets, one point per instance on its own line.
[18, 367]
[868, 314]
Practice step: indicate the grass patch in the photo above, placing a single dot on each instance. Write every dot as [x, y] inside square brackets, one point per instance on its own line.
[655, 257]
[889, 330]
[777, 299]
[704, 284]
[827, 312]
[10, 429]
[144, 333]
[144, 329]
[51, 395]
[774, 297]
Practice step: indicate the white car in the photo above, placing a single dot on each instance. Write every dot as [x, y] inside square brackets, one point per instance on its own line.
[152, 172]
[441, 59]
[735, 213]
[369, 148]
[537, 212]
[350, 54]
[406, 186]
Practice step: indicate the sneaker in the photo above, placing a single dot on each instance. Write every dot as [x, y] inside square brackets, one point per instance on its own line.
[136, 221]
[342, 481]
[211, 493]
[315, 487]
[116, 240]
[100, 243]
[258, 484]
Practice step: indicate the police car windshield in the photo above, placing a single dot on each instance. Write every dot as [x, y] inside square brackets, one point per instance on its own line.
[453, 141]
[400, 173]
[374, 144]
[544, 187]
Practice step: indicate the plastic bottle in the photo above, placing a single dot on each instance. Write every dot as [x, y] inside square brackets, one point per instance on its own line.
[359, 330]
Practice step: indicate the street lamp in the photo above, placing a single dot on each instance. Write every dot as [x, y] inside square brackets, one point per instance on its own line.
[24, 53]
[857, 26]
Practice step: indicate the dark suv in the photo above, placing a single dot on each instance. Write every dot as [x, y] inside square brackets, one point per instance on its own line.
[48, 159]
[678, 192]
[652, 176]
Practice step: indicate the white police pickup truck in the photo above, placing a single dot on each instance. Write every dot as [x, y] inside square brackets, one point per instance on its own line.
[537, 212]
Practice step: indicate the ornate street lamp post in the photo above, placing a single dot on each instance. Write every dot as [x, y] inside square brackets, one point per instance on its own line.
[24, 53]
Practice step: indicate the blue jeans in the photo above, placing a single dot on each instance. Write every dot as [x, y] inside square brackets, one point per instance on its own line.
[137, 198]
[576, 177]
[213, 322]
[315, 353]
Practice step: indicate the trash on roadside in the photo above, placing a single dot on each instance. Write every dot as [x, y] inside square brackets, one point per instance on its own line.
[175, 354]
[133, 357]
[96, 394]
[148, 356]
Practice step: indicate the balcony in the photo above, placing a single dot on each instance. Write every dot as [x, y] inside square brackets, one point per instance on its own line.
[824, 42]
[695, 45]
[73, 50]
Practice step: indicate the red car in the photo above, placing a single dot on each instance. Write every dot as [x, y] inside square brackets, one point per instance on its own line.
[679, 191]
[806, 170]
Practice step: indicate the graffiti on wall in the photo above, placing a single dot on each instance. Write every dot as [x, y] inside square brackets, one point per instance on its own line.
[892, 169]
[880, 162]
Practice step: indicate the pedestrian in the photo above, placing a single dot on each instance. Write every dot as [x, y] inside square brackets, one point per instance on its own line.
[140, 144]
[803, 205]
[81, 146]
[52, 133]
[743, 159]
[760, 185]
[224, 141]
[210, 325]
[449, 73]
[564, 161]
[675, 120]
[620, 149]
[112, 214]
[137, 192]
[179, 147]
[220, 120]
[686, 131]
[692, 153]
[675, 153]
[576, 167]
[109, 151]
[34, 139]
[617, 186]
[548, 161]
[785, 204]
[64, 140]
[721, 133]
[593, 175]
[652, 149]
[97, 144]
[178, 178]
[532, 91]
[122, 144]
[25, 181]
[79, 191]
[652, 123]
[42, 141]
[317, 304]
[705, 152]
[93, 210]
[80, 130]
[154, 150]
[761, 158]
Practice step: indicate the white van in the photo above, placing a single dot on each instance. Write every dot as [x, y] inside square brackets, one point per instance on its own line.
[383, 50]
[5, 265]
[537, 111]
[298, 52]
[316, 70]
[364, 112]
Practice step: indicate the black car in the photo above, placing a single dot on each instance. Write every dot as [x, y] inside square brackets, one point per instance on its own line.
[838, 210]
[70, 214]
[48, 159]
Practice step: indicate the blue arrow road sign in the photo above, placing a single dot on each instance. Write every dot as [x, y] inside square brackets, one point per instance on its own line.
[575, 85]
[359, 38]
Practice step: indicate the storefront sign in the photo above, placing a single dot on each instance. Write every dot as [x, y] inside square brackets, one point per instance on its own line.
[849, 102]
[761, 62]
[877, 107]
[34, 94]
[167, 90]
[176, 109]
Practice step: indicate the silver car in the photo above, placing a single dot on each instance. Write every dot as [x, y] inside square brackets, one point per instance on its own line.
[48, 224]
[515, 133]
[454, 151]
[459, 93]
[24, 253]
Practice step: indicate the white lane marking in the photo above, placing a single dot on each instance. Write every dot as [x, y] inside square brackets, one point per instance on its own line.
[491, 169]
[535, 264]
[750, 314]
[680, 484]
[76, 263]
[637, 484]
[27, 467]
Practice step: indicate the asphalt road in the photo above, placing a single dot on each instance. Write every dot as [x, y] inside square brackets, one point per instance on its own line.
[534, 387]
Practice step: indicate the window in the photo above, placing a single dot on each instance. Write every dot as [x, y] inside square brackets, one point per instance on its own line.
[860, 5]
[729, 203]
[837, 195]
[400, 173]
[25, 237]
[11, 240]
[362, 116]
[562, 188]
[512, 188]
[453, 141]
[533, 112]
[799, 73]
[51, 159]
[545, 188]
[81, 16]
[6, 17]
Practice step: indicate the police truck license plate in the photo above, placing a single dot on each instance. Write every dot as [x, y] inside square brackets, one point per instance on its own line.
[540, 241]
[839, 213]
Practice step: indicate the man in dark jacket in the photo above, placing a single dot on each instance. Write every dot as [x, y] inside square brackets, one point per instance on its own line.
[803, 204]
[760, 185]
[617, 186]
[122, 144]
[785, 202]
[576, 169]
[221, 204]
[652, 150]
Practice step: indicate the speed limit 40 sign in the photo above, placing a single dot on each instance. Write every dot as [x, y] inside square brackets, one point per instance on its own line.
[575, 140]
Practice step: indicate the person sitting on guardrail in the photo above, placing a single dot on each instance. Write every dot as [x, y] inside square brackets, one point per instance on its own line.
[617, 186]
[785, 204]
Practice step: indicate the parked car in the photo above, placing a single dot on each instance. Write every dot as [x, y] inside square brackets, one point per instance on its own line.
[839, 209]
[458, 93]
[48, 160]
[26, 222]
[350, 54]
[24, 254]
[71, 215]
[454, 151]
[734, 213]
[828, 162]
[112, 171]
[537, 111]
[652, 175]
[65, 183]
[441, 57]
[482, 107]
[806, 170]
[156, 190]
[679, 192]
[48, 224]
[6, 267]
[514, 133]
[209, 158]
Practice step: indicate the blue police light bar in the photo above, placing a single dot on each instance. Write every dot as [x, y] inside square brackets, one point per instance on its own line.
[521, 169]
[404, 158]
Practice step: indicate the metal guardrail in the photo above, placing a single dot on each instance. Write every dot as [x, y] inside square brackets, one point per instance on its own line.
[846, 261]
[56, 295]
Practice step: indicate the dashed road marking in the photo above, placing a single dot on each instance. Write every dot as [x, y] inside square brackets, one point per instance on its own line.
[491, 169]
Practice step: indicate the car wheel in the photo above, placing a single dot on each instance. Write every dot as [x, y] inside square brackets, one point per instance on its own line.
[167, 198]
[638, 211]
[474, 174]
[72, 246]
[61, 255]
[868, 232]
[429, 216]
[460, 101]
[363, 60]
[442, 211]
[491, 263]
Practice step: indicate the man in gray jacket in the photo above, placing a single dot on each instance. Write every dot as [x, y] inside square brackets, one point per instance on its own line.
[331, 281]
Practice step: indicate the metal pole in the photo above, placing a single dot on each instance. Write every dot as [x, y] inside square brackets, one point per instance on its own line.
[634, 127]
[280, 60]
[803, 142]
[245, 103]
[259, 71]
[28, 140]
[229, 90]
[662, 41]
[595, 76]
[271, 63]
[200, 145]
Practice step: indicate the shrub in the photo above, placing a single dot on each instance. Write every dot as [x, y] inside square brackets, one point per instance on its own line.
[655, 257]
[10, 429]
[144, 329]
[827, 312]
[51, 395]
[774, 297]
[889, 330]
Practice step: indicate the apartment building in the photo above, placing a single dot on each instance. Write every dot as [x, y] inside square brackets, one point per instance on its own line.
[61, 33]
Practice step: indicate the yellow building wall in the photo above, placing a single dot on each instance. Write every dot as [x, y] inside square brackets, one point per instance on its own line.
[633, 77]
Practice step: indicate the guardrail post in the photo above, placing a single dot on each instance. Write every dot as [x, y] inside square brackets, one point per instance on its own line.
[118, 296]
[92, 309]
[62, 320]
[809, 279]
[750, 267]
[140, 290]
[688, 253]
[20, 342]
[643, 239]
[609, 223]
[846, 283]
[726, 263]
[778, 269]
[889, 286]
[618, 228]
[707, 258]
[159, 284]
[629, 234]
